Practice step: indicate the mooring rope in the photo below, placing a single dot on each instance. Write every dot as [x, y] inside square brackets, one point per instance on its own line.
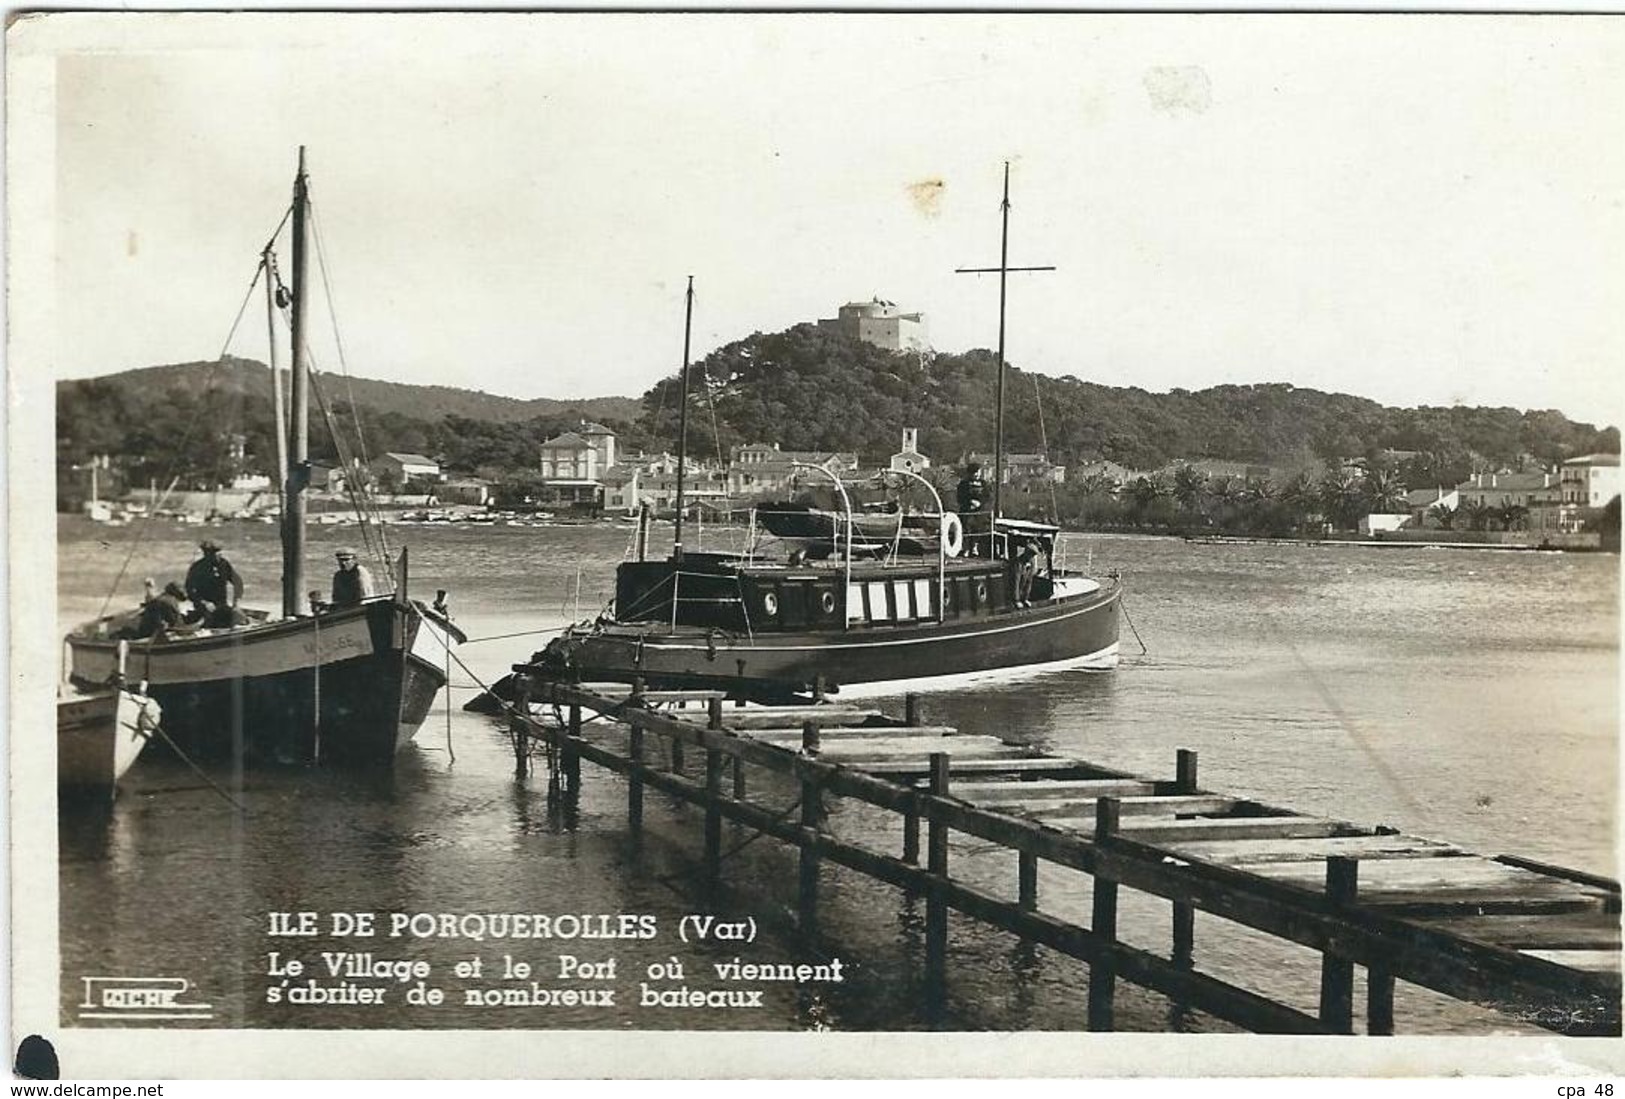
[186, 759]
[1123, 603]
[506, 636]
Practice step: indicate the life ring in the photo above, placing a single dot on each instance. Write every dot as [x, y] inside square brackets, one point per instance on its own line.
[953, 535]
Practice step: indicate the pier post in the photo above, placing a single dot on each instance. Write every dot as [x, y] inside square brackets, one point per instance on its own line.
[634, 778]
[714, 762]
[1184, 935]
[1185, 771]
[1184, 952]
[1103, 971]
[713, 812]
[911, 830]
[1337, 974]
[572, 753]
[911, 709]
[936, 904]
[636, 751]
[519, 728]
[677, 755]
[1027, 873]
[811, 814]
[1379, 1004]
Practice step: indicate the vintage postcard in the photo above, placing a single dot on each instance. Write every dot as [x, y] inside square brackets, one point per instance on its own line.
[956, 544]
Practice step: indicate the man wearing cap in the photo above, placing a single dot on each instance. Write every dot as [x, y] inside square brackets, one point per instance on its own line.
[214, 587]
[352, 582]
[159, 615]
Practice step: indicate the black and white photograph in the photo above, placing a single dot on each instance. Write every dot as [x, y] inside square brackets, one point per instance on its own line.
[824, 544]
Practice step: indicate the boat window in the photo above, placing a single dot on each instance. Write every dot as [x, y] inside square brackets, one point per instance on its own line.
[877, 601]
[899, 591]
[854, 603]
[922, 598]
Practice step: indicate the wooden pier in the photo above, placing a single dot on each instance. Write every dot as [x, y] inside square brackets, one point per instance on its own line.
[1537, 942]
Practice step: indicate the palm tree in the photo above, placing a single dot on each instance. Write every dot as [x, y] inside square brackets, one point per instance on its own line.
[1513, 517]
[1384, 490]
[1189, 484]
[1342, 497]
[1444, 515]
[1300, 499]
[1477, 513]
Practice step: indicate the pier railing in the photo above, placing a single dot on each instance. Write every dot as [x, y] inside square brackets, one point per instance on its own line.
[1475, 929]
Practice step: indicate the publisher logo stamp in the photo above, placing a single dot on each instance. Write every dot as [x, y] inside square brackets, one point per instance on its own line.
[145, 998]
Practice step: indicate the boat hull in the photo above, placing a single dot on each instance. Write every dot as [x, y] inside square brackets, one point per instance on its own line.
[1051, 633]
[350, 686]
[99, 735]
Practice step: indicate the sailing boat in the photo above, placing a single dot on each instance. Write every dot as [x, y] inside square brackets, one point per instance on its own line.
[349, 684]
[866, 614]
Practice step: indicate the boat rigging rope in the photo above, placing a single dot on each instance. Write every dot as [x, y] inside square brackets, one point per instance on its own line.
[186, 439]
[344, 368]
[377, 543]
[1043, 436]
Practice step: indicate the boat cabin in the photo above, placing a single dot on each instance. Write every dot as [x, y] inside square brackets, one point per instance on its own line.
[749, 595]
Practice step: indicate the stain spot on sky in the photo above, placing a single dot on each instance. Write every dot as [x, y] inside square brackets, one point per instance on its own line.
[926, 194]
[1176, 88]
[132, 243]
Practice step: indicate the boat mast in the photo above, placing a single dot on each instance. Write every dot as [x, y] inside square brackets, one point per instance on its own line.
[279, 413]
[682, 423]
[1004, 270]
[1004, 274]
[293, 528]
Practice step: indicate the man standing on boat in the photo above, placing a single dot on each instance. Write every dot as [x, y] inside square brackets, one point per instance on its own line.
[973, 508]
[352, 582]
[213, 584]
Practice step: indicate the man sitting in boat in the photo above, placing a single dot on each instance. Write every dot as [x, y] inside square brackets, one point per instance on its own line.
[352, 582]
[215, 587]
[159, 615]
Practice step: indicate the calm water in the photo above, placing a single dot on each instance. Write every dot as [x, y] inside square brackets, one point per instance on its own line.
[1469, 696]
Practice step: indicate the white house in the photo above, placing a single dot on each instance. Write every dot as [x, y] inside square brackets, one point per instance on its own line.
[405, 468]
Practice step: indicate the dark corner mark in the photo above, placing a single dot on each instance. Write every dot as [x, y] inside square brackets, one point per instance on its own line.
[36, 1059]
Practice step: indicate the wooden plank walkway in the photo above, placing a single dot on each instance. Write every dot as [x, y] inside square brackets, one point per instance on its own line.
[1537, 941]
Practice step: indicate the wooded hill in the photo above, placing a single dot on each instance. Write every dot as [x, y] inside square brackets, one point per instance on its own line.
[809, 389]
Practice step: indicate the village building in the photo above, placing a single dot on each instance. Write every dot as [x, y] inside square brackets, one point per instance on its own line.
[465, 491]
[1421, 502]
[909, 459]
[1023, 467]
[880, 323]
[1504, 490]
[405, 472]
[1590, 481]
[1106, 470]
[760, 469]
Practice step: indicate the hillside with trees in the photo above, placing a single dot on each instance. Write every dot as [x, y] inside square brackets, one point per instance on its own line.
[810, 389]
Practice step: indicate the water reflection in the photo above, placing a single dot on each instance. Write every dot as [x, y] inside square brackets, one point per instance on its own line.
[1487, 681]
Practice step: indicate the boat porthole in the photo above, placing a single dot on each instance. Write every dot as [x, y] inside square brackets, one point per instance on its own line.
[827, 601]
[770, 604]
[948, 595]
[981, 591]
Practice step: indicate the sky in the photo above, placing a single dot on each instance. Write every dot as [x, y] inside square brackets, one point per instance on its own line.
[1416, 209]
